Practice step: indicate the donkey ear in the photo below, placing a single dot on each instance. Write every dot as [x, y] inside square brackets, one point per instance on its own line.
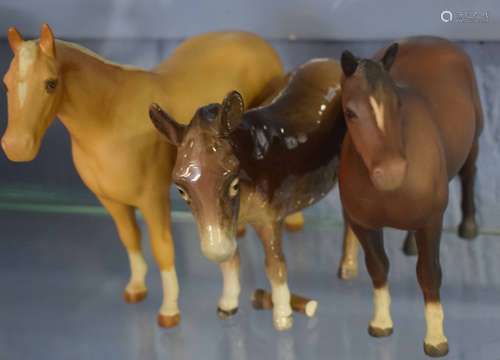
[47, 41]
[15, 39]
[349, 63]
[232, 112]
[390, 56]
[165, 124]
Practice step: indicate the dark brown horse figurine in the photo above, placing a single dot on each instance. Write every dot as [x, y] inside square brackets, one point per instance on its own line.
[256, 167]
[413, 117]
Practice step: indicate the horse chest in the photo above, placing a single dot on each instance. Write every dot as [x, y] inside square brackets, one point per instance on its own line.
[116, 174]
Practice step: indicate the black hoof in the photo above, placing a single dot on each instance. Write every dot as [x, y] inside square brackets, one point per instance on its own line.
[410, 245]
[377, 332]
[436, 351]
[468, 230]
[226, 314]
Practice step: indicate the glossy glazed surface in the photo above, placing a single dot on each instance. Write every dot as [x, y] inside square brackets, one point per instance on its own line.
[235, 167]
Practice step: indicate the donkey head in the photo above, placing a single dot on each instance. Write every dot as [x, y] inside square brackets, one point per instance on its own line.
[206, 170]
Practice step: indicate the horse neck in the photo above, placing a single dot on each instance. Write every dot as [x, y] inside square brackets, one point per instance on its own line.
[93, 89]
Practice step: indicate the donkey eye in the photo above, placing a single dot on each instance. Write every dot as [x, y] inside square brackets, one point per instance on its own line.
[50, 85]
[183, 194]
[349, 114]
[234, 187]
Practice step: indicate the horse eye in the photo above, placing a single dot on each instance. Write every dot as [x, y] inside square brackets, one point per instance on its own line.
[349, 114]
[50, 85]
[5, 87]
[183, 194]
[234, 187]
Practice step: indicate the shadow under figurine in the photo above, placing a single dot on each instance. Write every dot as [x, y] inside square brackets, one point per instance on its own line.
[413, 117]
[116, 150]
[235, 167]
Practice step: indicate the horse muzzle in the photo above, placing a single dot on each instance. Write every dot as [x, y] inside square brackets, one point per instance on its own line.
[20, 148]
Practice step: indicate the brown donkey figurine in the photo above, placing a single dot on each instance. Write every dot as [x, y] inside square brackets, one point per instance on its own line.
[413, 117]
[117, 152]
[256, 167]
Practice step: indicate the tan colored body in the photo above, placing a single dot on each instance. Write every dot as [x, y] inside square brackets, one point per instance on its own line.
[116, 150]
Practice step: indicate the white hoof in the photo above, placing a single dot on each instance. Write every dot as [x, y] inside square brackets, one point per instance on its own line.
[283, 323]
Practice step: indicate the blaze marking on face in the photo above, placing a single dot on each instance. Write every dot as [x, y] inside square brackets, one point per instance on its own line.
[378, 110]
[27, 55]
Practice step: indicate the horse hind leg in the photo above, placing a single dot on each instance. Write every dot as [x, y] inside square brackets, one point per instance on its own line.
[468, 227]
[129, 233]
[410, 244]
[348, 268]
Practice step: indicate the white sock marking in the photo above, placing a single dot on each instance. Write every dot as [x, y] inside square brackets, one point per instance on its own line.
[170, 293]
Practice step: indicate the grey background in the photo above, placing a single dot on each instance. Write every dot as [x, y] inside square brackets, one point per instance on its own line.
[143, 33]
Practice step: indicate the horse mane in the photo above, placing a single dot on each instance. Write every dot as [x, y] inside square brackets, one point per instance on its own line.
[98, 57]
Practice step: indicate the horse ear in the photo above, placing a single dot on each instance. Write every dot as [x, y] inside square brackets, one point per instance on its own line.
[232, 112]
[15, 39]
[165, 124]
[349, 63]
[47, 41]
[390, 56]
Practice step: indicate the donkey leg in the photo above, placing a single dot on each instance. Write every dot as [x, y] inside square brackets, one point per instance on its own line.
[429, 278]
[377, 265]
[270, 235]
[130, 235]
[468, 227]
[228, 302]
[348, 268]
[157, 216]
[295, 221]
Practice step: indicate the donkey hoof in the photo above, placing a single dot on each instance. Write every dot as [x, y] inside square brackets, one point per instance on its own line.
[294, 222]
[169, 321]
[436, 350]
[410, 246]
[226, 314]
[347, 271]
[378, 332]
[283, 323]
[134, 297]
[468, 229]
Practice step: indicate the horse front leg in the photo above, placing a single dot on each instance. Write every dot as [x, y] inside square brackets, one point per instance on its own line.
[429, 278]
[157, 215]
[228, 302]
[377, 265]
[276, 270]
[130, 235]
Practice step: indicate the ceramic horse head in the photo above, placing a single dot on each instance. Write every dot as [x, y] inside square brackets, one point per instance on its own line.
[413, 117]
[116, 150]
[33, 91]
[256, 167]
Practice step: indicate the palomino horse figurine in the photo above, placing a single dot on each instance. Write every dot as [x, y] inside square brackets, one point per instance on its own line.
[116, 150]
[256, 167]
[413, 120]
